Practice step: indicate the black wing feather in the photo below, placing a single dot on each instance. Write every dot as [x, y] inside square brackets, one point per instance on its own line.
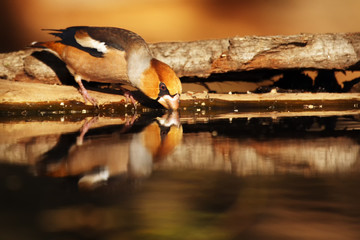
[117, 38]
[67, 37]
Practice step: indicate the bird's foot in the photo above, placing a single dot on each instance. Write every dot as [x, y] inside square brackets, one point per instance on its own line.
[130, 98]
[84, 129]
[88, 97]
[130, 121]
[85, 93]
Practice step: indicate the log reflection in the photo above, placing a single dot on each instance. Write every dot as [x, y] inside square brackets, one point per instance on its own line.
[97, 149]
[265, 146]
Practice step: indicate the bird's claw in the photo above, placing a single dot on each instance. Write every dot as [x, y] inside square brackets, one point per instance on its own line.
[88, 97]
[130, 98]
[84, 129]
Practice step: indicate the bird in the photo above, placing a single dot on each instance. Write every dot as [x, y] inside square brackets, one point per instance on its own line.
[114, 55]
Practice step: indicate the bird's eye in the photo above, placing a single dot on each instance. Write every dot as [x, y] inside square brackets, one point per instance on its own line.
[162, 87]
[163, 90]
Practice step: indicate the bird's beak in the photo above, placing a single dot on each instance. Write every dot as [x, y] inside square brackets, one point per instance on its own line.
[169, 119]
[170, 102]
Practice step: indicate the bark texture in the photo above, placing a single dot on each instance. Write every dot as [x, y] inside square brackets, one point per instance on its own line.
[340, 51]
[305, 51]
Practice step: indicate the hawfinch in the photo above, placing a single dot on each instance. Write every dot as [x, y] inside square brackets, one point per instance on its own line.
[114, 55]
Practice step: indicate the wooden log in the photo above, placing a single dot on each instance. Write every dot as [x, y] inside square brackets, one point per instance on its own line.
[340, 51]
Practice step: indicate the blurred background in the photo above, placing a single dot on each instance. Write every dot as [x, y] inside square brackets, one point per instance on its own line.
[176, 20]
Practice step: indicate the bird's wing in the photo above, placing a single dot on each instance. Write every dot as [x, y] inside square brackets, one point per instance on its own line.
[97, 40]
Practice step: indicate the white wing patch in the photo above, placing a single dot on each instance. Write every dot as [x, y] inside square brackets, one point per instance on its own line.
[89, 42]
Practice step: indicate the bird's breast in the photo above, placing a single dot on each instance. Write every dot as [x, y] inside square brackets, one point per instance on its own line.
[111, 68]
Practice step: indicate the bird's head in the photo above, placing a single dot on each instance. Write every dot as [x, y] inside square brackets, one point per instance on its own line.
[159, 82]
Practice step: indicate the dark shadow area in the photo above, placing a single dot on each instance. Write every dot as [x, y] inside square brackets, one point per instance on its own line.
[58, 66]
[146, 101]
[247, 76]
[283, 80]
[326, 82]
[295, 80]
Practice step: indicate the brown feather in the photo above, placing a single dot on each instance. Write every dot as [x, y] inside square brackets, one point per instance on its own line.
[55, 47]
[151, 138]
[159, 72]
[149, 83]
[167, 76]
[157, 146]
[172, 139]
[112, 68]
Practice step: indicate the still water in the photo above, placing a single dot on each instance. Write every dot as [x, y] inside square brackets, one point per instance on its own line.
[173, 176]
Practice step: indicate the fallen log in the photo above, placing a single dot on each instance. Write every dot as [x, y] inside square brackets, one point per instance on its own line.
[335, 51]
[340, 51]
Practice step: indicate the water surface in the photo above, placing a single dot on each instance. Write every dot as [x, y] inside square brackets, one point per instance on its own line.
[158, 175]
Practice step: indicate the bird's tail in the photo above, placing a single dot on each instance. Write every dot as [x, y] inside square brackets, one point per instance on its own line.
[54, 47]
[38, 45]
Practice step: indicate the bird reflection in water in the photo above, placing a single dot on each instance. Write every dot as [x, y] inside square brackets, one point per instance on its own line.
[97, 154]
